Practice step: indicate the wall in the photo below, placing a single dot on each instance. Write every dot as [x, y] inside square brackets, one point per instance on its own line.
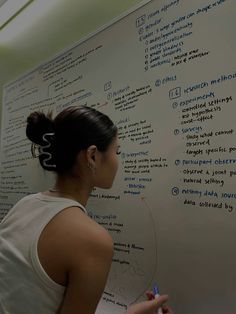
[64, 24]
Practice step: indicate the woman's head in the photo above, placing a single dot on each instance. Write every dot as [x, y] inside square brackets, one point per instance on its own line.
[75, 131]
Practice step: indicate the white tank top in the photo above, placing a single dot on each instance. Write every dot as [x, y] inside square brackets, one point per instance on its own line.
[25, 288]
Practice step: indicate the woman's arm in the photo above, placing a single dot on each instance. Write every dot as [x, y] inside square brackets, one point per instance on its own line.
[88, 273]
[77, 252]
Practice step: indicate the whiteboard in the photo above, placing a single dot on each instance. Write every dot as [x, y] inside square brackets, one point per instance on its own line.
[165, 73]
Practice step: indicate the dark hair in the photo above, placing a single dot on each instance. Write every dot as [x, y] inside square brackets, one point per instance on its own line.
[72, 130]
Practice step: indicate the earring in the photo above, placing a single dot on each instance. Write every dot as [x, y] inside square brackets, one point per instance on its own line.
[91, 167]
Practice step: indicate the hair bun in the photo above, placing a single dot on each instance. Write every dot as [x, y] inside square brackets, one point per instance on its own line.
[37, 125]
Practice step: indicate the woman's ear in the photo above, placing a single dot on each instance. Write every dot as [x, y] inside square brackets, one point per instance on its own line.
[91, 155]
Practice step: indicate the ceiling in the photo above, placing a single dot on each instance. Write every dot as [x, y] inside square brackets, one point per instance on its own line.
[46, 27]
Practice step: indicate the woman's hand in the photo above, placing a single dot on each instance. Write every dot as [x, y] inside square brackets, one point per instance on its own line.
[151, 306]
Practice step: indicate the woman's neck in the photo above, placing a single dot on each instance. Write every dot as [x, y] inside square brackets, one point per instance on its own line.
[69, 187]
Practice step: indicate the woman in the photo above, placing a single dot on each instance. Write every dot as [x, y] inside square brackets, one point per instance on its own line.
[54, 258]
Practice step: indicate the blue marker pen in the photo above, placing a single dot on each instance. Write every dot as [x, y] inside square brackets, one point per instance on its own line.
[157, 294]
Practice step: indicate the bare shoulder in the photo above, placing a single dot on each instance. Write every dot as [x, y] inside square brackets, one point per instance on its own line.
[70, 240]
[77, 226]
[73, 227]
[88, 251]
